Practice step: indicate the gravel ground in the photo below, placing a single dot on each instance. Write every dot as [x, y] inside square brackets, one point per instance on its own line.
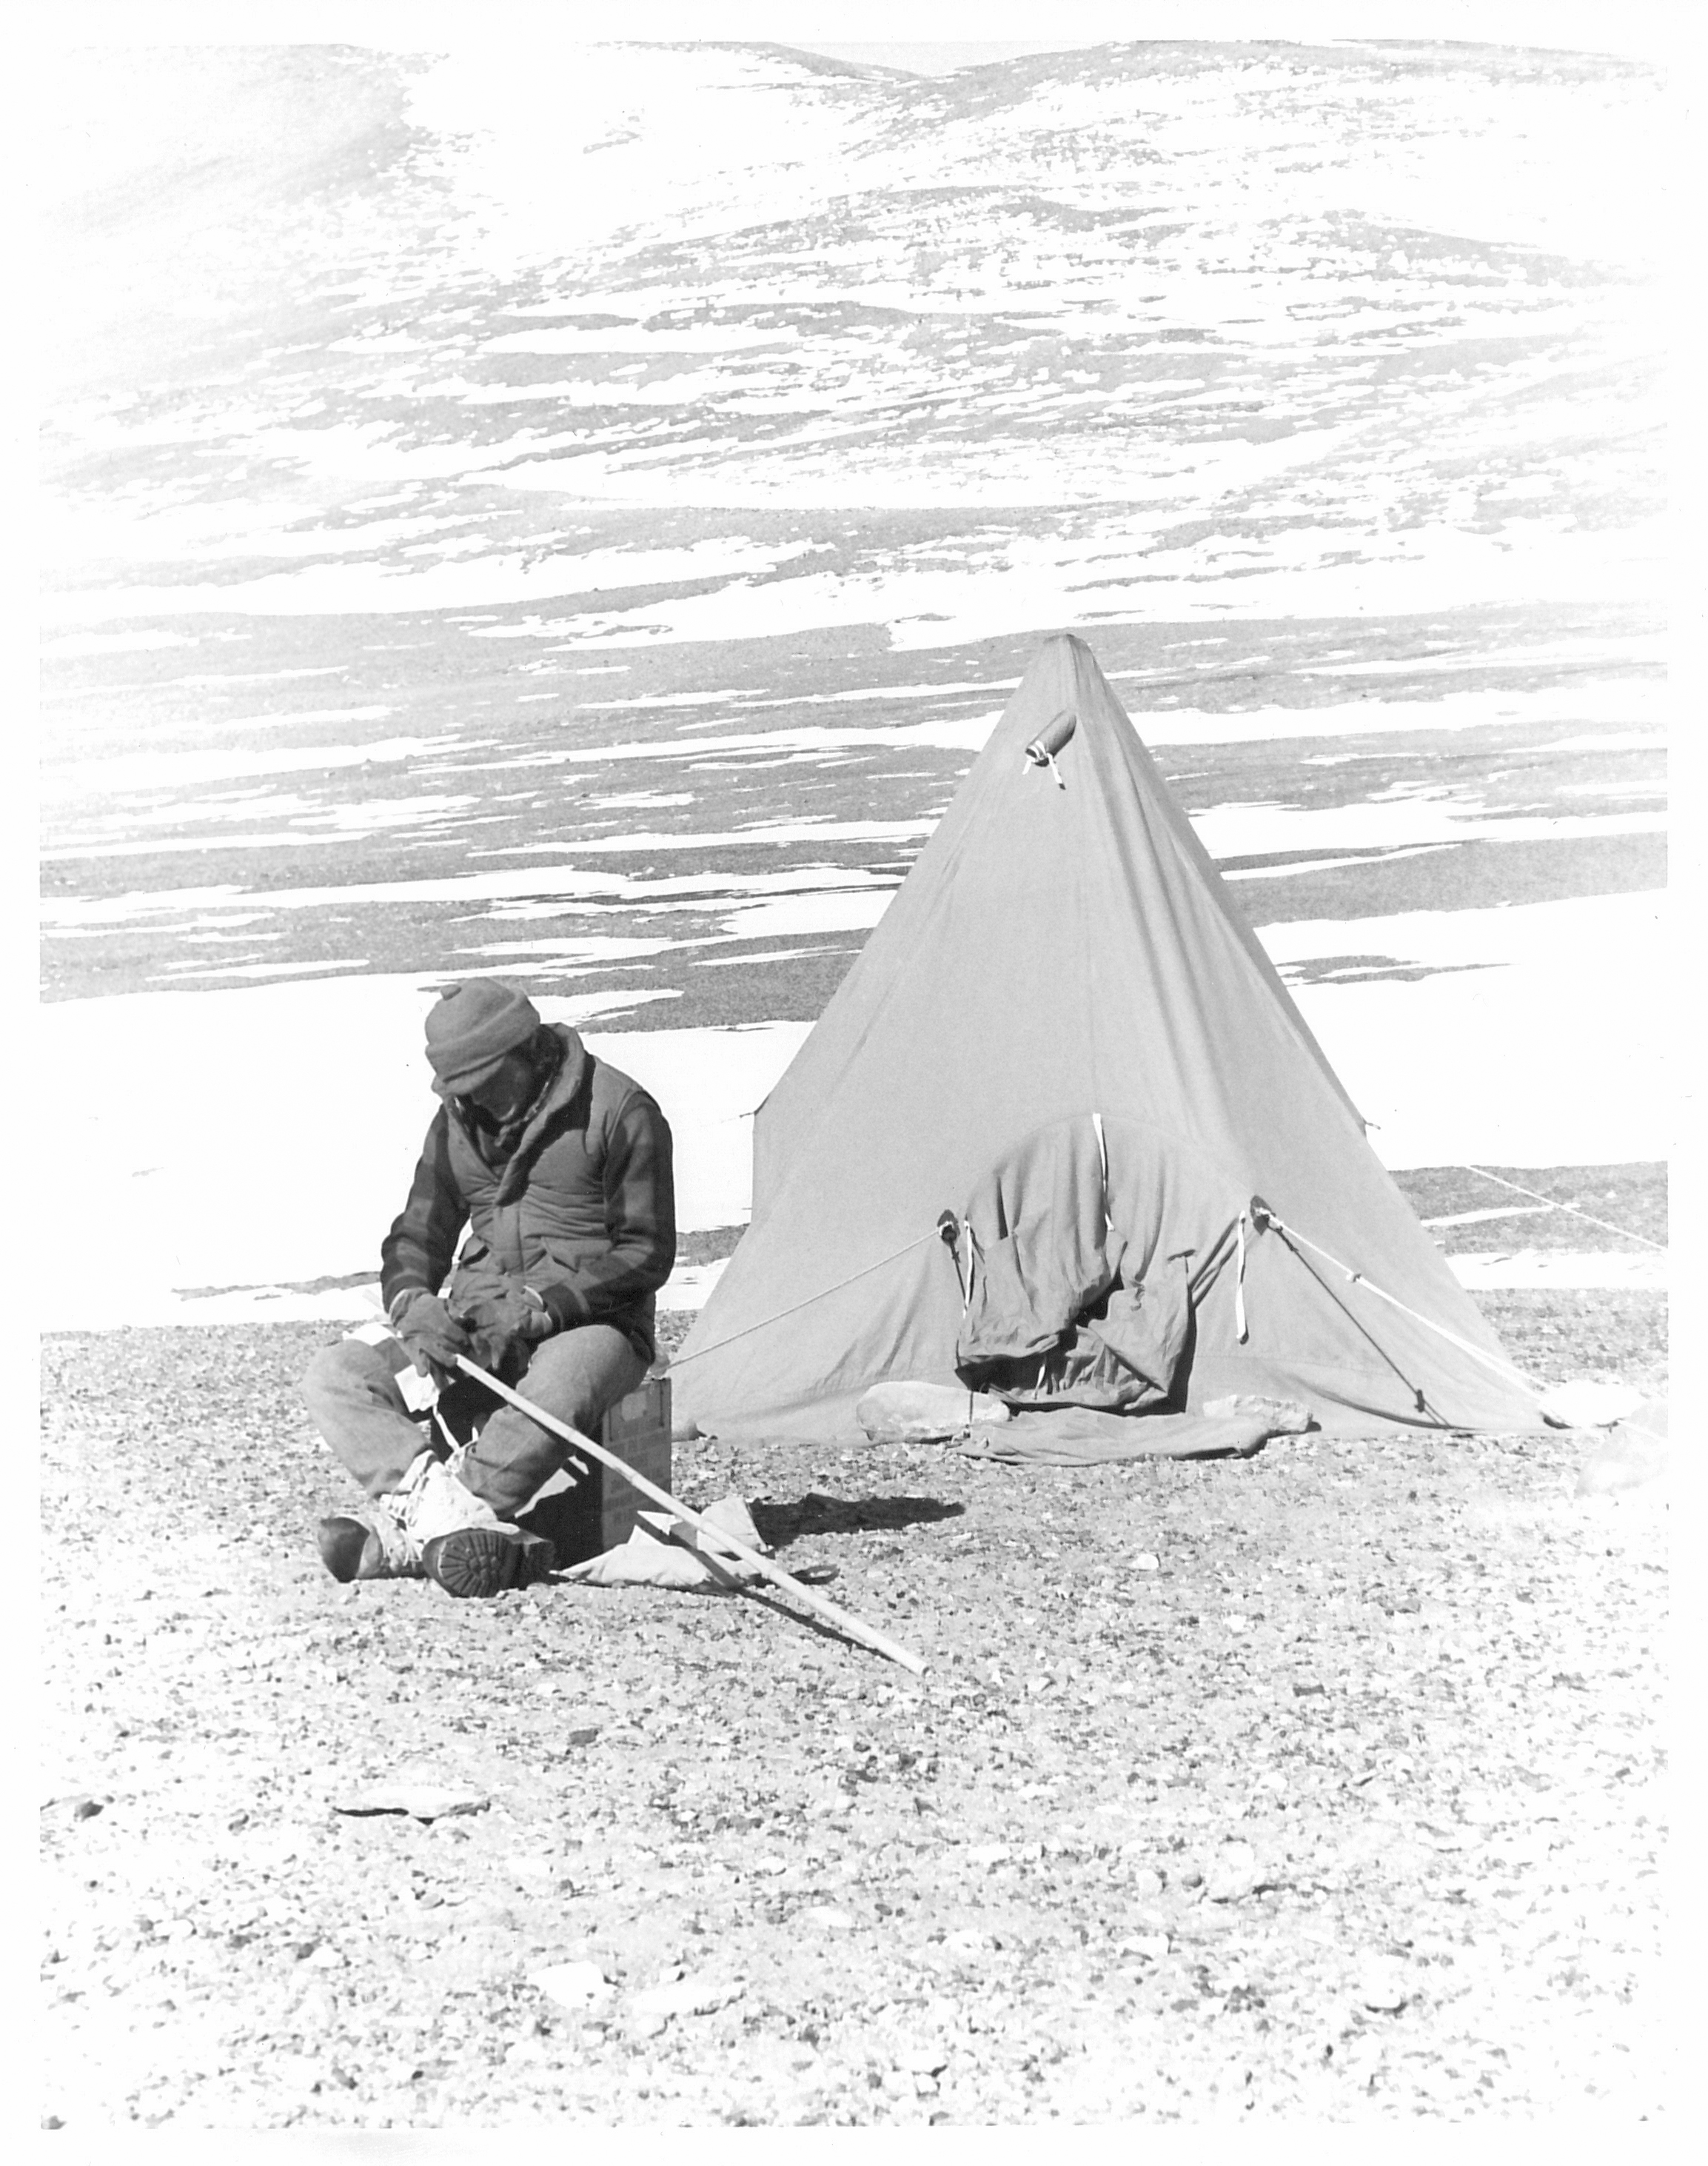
[1325, 1784]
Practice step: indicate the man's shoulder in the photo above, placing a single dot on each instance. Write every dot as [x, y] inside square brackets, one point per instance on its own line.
[615, 1088]
[611, 1090]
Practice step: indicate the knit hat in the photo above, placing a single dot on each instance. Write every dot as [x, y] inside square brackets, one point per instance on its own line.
[471, 1028]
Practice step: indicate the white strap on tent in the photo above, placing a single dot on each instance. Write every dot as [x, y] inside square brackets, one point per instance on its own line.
[1103, 1161]
[1240, 1279]
[1489, 1360]
[1039, 755]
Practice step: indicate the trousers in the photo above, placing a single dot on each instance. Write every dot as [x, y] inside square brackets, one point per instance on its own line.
[351, 1393]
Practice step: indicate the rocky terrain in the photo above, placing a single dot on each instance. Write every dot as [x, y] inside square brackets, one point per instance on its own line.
[1324, 1784]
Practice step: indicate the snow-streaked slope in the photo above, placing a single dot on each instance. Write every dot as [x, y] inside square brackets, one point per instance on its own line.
[1139, 325]
[580, 520]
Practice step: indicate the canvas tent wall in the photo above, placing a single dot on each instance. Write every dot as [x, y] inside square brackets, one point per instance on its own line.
[1062, 948]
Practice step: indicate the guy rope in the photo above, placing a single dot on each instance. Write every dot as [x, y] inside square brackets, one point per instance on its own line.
[1265, 1219]
[1553, 1203]
[693, 1352]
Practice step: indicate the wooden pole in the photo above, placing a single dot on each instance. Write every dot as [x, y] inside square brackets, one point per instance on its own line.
[841, 1619]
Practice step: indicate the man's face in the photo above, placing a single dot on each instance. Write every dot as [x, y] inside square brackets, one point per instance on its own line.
[507, 1090]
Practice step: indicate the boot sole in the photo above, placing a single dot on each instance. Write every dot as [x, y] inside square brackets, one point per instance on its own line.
[473, 1562]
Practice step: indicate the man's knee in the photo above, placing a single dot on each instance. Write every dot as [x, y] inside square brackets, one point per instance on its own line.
[579, 1375]
[347, 1369]
[328, 1372]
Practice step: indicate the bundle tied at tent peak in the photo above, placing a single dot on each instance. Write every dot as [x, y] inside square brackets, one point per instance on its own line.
[1063, 1032]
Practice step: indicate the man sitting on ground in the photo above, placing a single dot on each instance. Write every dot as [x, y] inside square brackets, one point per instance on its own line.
[560, 1167]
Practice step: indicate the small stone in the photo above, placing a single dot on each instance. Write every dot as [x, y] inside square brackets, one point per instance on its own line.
[928, 2060]
[572, 1984]
[685, 1996]
[1384, 1986]
[79, 1807]
[990, 1853]
[1626, 1456]
[924, 1414]
[325, 1957]
[420, 1793]
[1589, 1405]
[1282, 1417]
[316, 2011]
[1233, 1874]
[1146, 1883]
[1149, 1947]
[1147, 1560]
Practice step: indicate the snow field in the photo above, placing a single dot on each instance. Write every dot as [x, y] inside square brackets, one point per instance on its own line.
[1540, 1040]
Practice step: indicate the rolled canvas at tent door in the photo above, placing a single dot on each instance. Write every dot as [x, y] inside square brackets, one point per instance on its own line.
[1064, 948]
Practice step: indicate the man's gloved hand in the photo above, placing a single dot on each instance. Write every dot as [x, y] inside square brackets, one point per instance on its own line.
[432, 1335]
[503, 1315]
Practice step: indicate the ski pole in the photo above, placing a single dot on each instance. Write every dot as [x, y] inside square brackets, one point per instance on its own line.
[844, 1622]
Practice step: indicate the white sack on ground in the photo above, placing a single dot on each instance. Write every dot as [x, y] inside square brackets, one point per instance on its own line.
[687, 1558]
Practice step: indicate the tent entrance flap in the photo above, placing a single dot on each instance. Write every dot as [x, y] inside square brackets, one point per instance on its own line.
[1065, 1311]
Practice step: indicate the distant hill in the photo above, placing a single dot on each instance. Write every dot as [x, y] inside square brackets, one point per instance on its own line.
[1367, 286]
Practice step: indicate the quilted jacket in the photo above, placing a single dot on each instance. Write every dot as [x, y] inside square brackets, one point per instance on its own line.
[583, 1210]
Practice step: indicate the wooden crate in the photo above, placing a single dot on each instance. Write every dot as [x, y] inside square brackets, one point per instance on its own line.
[582, 1514]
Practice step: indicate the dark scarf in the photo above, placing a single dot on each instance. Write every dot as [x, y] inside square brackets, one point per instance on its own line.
[496, 1141]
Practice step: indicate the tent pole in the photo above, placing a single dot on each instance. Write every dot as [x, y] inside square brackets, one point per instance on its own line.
[720, 1537]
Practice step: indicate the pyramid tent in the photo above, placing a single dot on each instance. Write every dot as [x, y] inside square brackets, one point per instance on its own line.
[1063, 999]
